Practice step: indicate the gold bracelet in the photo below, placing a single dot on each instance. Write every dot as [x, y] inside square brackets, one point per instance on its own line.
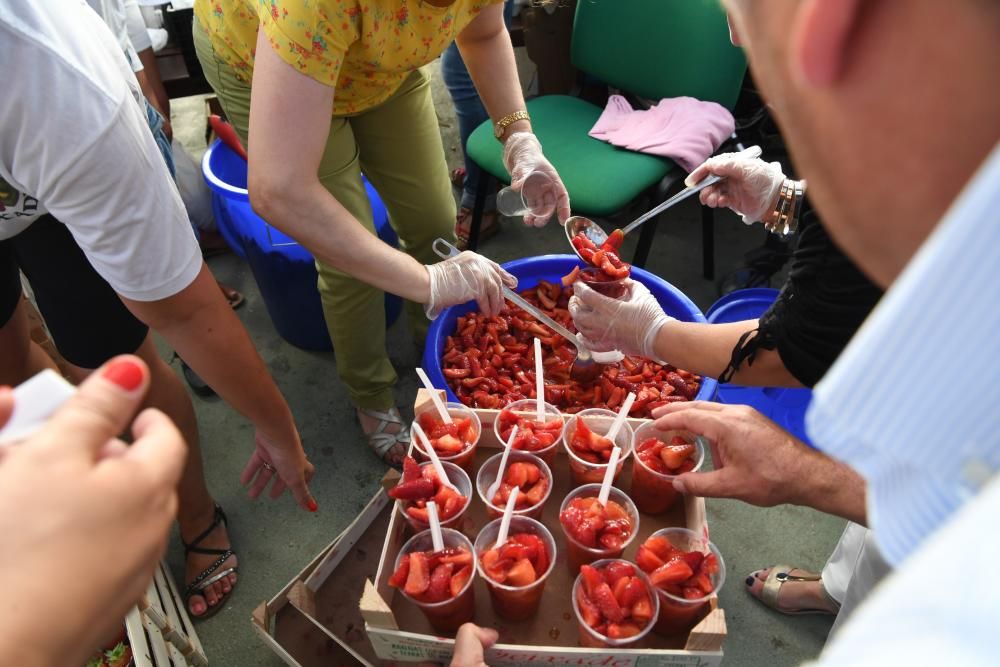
[506, 121]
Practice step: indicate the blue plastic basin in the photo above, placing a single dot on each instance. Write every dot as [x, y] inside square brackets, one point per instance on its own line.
[786, 407]
[551, 268]
[284, 270]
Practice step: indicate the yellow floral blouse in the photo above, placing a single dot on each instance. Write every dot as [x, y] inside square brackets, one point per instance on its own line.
[364, 48]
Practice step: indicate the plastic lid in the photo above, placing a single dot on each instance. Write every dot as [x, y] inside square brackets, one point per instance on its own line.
[786, 407]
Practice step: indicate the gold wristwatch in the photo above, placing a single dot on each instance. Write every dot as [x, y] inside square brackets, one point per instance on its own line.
[506, 121]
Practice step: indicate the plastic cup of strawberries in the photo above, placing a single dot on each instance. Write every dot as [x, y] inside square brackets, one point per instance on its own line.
[420, 484]
[456, 442]
[540, 438]
[687, 571]
[594, 532]
[438, 582]
[615, 604]
[659, 457]
[589, 450]
[515, 573]
[525, 471]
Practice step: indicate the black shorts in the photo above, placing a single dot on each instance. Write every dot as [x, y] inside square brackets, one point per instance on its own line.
[87, 321]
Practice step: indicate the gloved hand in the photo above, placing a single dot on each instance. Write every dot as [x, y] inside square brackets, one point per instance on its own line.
[464, 277]
[628, 324]
[522, 155]
[751, 186]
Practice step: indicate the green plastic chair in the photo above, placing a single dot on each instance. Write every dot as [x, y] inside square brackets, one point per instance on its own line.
[650, 48]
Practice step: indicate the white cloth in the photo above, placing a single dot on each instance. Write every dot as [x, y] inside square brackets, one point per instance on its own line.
[137, 32]
[853, 570]
[911, 404]
[940, 607]
[74, 138]
[115, 17]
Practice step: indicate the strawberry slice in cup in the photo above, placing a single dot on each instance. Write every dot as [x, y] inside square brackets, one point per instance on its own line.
[515, 572]
[525, 471]
[455, 442]
[438, 582]
[594, 532]
[614, 603]
[687, 571]
[540, 438]
[660, 456]
[589, 449]
[420, 484]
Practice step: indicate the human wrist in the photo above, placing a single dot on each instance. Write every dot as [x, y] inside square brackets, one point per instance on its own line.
[651, 347]
[523, 125]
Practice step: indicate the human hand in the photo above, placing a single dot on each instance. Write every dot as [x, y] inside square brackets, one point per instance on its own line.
[522, 155]
[629, 324]
[286, 464]
[465, 277]
[750, 188]
[755, 460]
[85, 518]
[470, 645]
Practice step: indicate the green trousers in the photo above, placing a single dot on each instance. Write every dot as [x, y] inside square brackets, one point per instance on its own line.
[397, 145]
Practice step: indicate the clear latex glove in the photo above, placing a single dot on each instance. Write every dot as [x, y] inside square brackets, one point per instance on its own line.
[751, 186]
[522, 155]
[628, 324]
[465, 277]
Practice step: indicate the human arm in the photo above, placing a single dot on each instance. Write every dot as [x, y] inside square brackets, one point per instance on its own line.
[750, 187]
[638, 325]
[759, 463]
[73, 491]
[285, 190]
[486, 49]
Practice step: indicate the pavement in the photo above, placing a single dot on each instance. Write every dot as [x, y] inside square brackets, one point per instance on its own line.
[275, 539]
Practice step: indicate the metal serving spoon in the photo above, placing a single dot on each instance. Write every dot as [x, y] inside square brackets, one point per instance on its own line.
[584, 367]
[592, 231]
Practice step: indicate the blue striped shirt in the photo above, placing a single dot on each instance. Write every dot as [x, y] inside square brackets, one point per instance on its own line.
[913, 403]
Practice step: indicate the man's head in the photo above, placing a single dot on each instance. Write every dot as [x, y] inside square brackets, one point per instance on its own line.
[888, 107]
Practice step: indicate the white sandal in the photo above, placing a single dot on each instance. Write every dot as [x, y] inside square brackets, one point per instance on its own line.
[381, 441]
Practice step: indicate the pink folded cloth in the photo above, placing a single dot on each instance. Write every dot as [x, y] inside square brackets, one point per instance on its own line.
[683, 129]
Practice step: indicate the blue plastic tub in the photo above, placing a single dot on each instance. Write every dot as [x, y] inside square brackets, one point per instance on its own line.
[785, 407]
[284, 270]
[553, 267]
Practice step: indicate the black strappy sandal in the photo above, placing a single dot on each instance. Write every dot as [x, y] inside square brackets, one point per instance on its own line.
[209, 576]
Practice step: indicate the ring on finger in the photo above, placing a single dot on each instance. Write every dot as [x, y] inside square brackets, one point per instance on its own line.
[268, 467]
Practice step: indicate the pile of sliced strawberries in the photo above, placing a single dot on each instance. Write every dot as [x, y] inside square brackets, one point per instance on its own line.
[532, 435]
[433, 576]
[614, 600]
[588, 445]
[597, 527]
[421, 484]
[673, 459]
[519, 562]
[531, 481]
[447, 439]
[685, 574]
[604, 260]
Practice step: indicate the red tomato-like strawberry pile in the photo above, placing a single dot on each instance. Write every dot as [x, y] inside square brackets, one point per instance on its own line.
[685, 574]
[532, 482]
[588, 445]
[447, 439]
[421, 484]
[614, 600]
[488, 363]
[597, 527]
[519, 562]
[433, 576]
[673, 459]
[605, 260]
[532, 436]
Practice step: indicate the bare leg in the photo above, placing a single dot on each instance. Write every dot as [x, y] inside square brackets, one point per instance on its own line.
[21, 357]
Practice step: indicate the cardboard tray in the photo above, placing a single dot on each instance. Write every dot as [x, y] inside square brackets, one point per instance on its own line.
[316, 620]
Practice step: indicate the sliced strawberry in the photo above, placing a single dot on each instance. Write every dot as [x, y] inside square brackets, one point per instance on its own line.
[440, 585]
[447, 445]
[616, 570]
[612, 541]
[588, 610]
[536, 492]
[614, 241]
[674, 572]
[660, 546]
[418, 579]
[623, 630]
[634, 591]
[703, 583]
[642, 610]
[398, 577]
[493, 566]
[693, 559]
[459, 558]
[521, 574]
[710, 565]
[532, 472]
[618, 588]
[458, 580]
[646, 559]
[420, 488]
[607, 604]
[516, 475]
[418, 514]
[514, 551]
[675, 455]
[692, 593]
[411, 469]
[591, 579]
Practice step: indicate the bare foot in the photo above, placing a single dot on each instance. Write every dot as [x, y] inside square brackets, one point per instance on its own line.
[195, 563]
[794, 596]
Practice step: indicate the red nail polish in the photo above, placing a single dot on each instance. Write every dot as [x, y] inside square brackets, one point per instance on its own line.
[312, 505]
[125, 373]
